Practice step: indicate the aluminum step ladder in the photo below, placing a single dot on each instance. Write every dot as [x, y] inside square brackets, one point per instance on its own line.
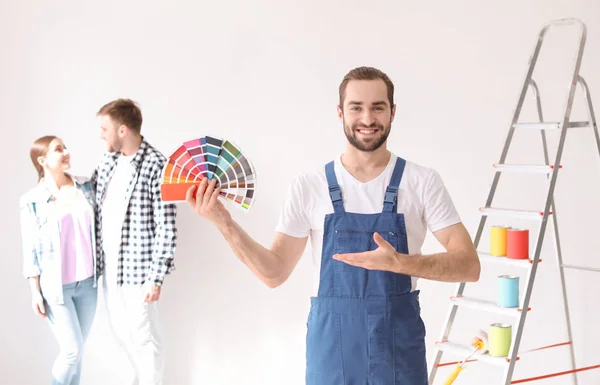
[444, 345]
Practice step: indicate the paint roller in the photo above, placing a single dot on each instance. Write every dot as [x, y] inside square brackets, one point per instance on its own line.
[480, 344]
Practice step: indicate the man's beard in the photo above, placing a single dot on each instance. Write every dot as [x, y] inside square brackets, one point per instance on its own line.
[115, 147]
[372, 145]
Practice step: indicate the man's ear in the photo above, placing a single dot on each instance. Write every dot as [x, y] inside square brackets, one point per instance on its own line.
[122, 129]
[340, 112]
[393, 113]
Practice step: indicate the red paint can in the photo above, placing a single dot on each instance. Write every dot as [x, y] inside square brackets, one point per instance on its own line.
[517, 244]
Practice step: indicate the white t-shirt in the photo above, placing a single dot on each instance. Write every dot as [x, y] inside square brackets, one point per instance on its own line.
[422, 198]
[114, 208]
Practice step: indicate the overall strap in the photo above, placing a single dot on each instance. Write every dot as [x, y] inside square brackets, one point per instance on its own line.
[334, 190]
[391, 193]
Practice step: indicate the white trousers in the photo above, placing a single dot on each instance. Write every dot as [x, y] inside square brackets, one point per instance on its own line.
[135, 325]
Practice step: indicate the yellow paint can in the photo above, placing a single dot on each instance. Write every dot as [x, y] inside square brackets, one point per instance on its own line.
[500, 339]
[498, 239]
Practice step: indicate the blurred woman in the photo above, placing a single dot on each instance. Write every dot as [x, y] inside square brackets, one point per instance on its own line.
[59, 253]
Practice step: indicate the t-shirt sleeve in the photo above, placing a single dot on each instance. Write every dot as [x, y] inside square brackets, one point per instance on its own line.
[439, 210]
[293, 220]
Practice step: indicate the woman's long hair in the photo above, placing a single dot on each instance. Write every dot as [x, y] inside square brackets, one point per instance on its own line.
[40, 148]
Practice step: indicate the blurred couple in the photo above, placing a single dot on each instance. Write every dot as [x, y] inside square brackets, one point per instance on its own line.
[110, 226]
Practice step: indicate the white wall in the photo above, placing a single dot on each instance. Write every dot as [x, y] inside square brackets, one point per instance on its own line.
[265, 74]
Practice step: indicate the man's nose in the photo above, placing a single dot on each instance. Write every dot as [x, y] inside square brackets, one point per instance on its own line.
[367, 118]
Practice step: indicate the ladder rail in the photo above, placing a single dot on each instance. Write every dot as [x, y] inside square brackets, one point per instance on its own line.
[590, 110]
[557, 244]
[563, 285]
[559, 257]
[550, 195]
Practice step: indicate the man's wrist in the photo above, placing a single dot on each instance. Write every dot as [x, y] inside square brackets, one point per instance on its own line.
[154, 279]
[226, 226]
[402, 265]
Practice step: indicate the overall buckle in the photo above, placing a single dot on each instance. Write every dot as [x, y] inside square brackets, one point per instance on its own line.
[391, 194]
[335, 193]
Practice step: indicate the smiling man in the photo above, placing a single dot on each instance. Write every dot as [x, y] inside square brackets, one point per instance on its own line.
[367, 213]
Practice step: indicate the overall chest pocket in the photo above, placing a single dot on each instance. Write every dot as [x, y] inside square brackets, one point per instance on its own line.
[353, 241]
[353, 281]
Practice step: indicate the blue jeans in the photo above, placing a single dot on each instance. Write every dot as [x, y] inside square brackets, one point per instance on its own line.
[71, 322]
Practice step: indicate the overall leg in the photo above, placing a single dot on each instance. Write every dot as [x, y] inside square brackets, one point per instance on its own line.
[85, 301]
[65, 327]
[410, 364]
[325, 350]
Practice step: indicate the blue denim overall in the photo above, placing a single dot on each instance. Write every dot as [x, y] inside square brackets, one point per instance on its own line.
[365, 326]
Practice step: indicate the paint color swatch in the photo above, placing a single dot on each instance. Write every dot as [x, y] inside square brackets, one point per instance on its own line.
[212, 158]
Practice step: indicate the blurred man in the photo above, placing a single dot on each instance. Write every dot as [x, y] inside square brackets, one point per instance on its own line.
[136, 237]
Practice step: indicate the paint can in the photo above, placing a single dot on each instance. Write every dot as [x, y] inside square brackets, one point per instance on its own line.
[517, 244]
[500, 338]
[498, 240]
[508, 291]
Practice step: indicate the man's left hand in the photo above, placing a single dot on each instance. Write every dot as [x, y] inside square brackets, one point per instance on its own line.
[151, 292]
[385, 257]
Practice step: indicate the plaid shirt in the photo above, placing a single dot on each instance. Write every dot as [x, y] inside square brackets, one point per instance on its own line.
[149, 234]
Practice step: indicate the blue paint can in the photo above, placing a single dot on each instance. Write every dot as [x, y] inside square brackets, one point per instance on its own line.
[508, 291]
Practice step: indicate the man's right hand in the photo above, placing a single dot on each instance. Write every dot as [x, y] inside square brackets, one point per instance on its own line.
[204, 199]
[37, 303]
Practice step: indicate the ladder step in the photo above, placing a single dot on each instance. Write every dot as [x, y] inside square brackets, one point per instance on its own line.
[487, 257]
[485, 305]
[549, 125]
[464, 351]
[537, 215]
[526, 168]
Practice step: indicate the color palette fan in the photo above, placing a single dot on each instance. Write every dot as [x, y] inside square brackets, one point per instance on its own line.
[213, 158]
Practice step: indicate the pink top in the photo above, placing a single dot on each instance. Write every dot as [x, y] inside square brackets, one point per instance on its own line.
[76, 240]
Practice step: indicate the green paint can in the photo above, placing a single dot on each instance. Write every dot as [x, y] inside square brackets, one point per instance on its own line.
[500, 338]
